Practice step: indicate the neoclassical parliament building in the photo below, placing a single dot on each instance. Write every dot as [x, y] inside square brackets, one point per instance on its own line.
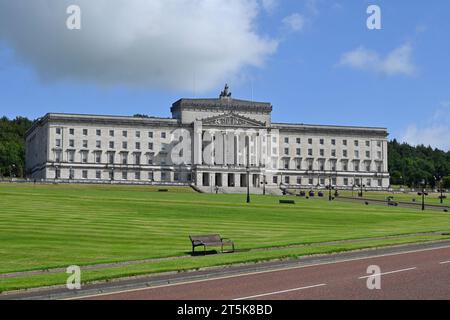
[215, 145]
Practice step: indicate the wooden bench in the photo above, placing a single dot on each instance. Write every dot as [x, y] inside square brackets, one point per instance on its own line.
[287, 202]
[213, 240]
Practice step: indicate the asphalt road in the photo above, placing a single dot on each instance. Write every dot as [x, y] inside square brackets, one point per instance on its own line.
[415, 274]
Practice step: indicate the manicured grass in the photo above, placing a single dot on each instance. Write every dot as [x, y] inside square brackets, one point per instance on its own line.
[194, 263]
[47, 226]
[432, 198]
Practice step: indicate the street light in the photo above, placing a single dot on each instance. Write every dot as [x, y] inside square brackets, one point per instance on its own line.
[441, 189]
[247, 140]
[330, 187]
[423, 194]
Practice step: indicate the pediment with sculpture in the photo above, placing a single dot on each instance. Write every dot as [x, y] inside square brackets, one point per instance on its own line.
[232, 120]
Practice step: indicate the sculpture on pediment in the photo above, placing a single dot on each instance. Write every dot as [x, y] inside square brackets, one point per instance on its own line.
[226, 92]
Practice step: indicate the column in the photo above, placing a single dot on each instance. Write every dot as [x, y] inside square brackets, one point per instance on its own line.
[198, 143]
[224, 134]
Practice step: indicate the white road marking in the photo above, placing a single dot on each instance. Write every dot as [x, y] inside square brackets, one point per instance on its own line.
[279, 292]
[444, 262]
[385, 273]
[257, 272]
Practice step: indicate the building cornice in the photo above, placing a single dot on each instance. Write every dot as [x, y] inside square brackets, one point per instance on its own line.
[225, 104]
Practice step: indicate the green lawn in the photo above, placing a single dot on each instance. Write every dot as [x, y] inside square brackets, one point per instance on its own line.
[59, 225]
[432, 198]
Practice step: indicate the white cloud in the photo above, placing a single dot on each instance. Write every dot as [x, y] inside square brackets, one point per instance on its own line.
[154, 44]
[295, 22]
[270, 5]
[434, 132]
[397, 62]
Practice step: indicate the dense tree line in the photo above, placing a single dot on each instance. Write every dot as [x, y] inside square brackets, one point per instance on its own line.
[408, 165]
[12, 146]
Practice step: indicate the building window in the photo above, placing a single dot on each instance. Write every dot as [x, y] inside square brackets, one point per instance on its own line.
[310, 141]
[137, 175]
[368, 166]
[111, 133]
[310, 152]
[58, 143]
[333, 142]
[299, 141]
[286, 164]
[333, 153]
[322, 141]
[298, 151]
[286, 151]
[58, 156]
[344, 142]
[99, 132]
[150, 159]
[150, 176]
[163, 135]
[84, 174]
[85, 132]
[165, 177]
[379, 155]
[137, 158]
[124, 145]
[299, 180]
[380, 183]
[367, 143]
[138, 146]
[275, 180]
[356, 154]
[345, 166]
[356, 143]
[368, 154]
[111, 144]
[310, 181]
[345, 153]
[176, 176]
[98, 157]
[379, 168]
[124, 133]
[322, 165]
[322, 152]
[98, 174]
[71, 174]
[85, 143]
[72, 143]
[379, 144]
[71, 156]
[124, 175]
[150, 146]
[72, 131]
[345, 181]
[333, 165]
[322, 181]
[286, 140]
[84, 157]
[124, 158]
[356, 166]
[150, 135]
[58, 130]
[138, 134]
[298, 164]
[98, 144]
[287, 180]
[111, 157]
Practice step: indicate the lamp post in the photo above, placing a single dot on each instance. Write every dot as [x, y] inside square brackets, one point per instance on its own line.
[247, 140]
[423, 194]
[330, 187]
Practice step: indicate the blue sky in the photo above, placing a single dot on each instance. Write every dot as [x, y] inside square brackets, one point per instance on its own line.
[315, 60]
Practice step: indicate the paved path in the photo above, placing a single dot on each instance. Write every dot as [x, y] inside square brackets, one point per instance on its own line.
[423, 274]
[414, 271]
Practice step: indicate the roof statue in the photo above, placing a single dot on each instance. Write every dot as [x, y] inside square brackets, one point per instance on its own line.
[226, 92]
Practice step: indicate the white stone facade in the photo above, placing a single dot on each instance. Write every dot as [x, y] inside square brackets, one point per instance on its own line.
[205, 144]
